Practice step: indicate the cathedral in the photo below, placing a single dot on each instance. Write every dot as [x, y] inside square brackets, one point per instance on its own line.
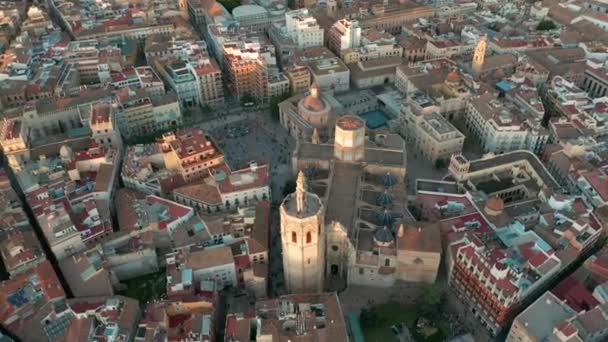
[303, 115]
[347, 222]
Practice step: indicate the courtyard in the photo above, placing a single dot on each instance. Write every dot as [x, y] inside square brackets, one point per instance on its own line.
[147, 288]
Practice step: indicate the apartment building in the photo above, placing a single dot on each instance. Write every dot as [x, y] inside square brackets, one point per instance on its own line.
[182, 79]
[433, 136]
[330, 73]
[503, 127]
[299, 78]
[344, 34]
[374, 44]
[390, 17]
[189, 152]
[438, 81]
[226, 189]
[303, 28]
[212, 264]
[210, 82]
[282, 312]
[139, 114]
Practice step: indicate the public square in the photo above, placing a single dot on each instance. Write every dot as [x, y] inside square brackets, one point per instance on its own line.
[251, 136]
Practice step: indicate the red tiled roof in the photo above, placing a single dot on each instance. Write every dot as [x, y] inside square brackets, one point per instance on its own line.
[538, 259]
[599, 182]
[175, 210]
[566, 328]
[242, 262]
[575, 294]
[260, 179]
[84, 306]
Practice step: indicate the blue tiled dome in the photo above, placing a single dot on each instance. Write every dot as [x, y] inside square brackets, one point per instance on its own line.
[388, 179]
[384, 199]
[383, 235]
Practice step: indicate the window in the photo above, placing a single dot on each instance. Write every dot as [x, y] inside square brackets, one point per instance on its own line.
[308, 237]
[361, 270]
[387, 262]
[334, 248]
[294, 237]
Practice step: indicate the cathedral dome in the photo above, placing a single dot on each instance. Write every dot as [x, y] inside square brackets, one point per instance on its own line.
[388, 179]
[65, 152]
[494, 206]
[383, 236]
[453, 77]
[313, 102]
[384, 199]
[314, 109]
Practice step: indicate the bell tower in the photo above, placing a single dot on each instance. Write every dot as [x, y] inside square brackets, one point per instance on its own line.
[479, 56]
[303, 239]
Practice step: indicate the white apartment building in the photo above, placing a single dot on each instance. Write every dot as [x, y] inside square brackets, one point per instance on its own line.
[330, 73]
[344, 34]
[303, 28]
[181, 77]
[502, 127]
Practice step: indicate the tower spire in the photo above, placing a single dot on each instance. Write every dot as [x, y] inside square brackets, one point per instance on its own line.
[315, 136]
[301, 192]
[314, 90]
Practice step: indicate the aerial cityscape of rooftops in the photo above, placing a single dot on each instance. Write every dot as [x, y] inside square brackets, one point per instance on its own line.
[304, 170]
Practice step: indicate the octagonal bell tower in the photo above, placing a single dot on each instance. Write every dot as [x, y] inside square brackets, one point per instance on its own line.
[349, 143]
[303, 240]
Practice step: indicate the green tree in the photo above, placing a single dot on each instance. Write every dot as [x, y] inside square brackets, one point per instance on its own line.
[430, 300]
[431, 295]
[369, 318]
[440, 164]
[546, 25]
[274, 104]
[230, 4]
[246, 98]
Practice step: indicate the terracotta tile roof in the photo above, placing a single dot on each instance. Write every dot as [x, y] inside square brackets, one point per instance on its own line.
[420, 239]
[201, 192]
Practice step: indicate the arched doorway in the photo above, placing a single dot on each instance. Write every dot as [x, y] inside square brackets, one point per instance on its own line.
[334, 269]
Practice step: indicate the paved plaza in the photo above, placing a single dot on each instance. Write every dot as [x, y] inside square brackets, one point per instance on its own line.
[261, 140]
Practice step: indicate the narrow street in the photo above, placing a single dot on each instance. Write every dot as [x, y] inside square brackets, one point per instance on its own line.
[50, 256]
